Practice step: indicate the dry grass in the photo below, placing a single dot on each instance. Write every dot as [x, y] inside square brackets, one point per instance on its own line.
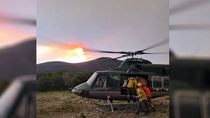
[63, 104]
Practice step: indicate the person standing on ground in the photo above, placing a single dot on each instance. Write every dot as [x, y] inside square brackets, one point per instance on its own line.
[149, 95]
[142, 100]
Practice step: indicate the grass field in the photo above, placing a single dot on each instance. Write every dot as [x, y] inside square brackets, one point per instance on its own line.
[63, 104]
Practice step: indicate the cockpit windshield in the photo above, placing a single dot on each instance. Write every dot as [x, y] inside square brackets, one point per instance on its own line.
[92, 79]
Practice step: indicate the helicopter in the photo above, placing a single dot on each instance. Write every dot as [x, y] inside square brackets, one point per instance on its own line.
[111, 83]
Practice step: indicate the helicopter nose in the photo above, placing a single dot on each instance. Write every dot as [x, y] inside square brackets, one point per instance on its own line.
[79, 89]
[73, 90]
[76, 91]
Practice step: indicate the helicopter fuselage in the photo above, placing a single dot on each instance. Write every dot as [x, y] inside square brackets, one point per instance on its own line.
[105, 83]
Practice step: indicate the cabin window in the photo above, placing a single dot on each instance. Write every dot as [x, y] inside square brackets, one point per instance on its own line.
[156, 82]
[123, 81]
[114, 80]
[166, 82]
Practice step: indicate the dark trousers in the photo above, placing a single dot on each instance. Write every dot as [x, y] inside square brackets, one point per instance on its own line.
[142, 107]
[131, 94]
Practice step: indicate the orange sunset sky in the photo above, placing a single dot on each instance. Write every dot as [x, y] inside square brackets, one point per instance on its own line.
[12, 33]
[72, 53]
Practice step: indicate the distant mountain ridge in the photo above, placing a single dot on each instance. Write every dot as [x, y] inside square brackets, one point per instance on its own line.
[102, 63]
[19, 59]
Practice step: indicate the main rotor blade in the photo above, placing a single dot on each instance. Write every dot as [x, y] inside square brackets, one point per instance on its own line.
[120, 57]
[153, 46]
[102, 51]
[18, 20]
[190, 27]
[156, 53]
[187, 5]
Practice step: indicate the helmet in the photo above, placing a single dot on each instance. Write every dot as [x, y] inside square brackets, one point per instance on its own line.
[131, 78]
[139, 84]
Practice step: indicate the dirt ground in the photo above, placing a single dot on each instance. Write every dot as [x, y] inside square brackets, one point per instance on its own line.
[63, 104]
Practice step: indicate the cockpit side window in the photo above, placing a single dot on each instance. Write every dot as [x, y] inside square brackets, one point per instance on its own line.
[101, 81]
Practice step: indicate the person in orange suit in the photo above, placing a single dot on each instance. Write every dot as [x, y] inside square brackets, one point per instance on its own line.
[149, 95]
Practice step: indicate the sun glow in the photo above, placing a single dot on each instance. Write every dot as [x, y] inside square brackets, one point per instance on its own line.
[75, 55]
[41, 50]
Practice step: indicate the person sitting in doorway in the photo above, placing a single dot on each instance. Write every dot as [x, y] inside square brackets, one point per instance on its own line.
[131, 89]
